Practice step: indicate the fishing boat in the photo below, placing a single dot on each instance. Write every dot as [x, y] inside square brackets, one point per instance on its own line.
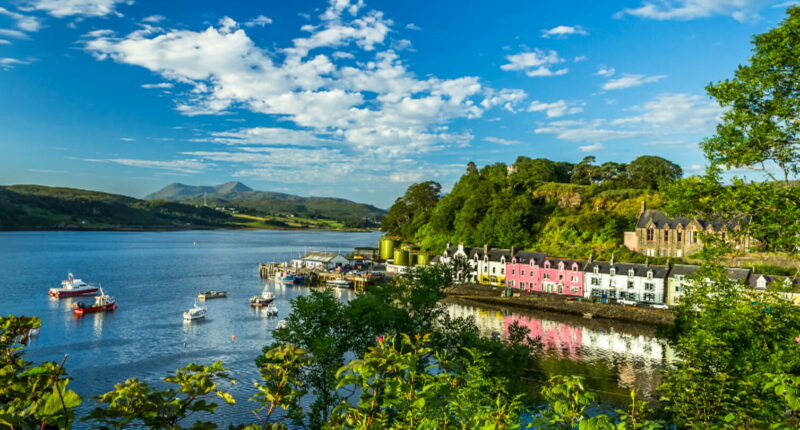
[264, 299]
[213, 294]
[339, 283]
[284, 278]
[195, 313]
[271, 310]
[72, 287]
[102, 303]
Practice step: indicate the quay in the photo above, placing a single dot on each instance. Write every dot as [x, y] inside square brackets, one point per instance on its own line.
[315, 277]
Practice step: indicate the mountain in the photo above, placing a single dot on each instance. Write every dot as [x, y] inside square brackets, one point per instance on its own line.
[37, 206]
[266, 203]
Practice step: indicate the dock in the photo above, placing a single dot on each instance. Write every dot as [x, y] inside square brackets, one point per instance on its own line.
[314, 278]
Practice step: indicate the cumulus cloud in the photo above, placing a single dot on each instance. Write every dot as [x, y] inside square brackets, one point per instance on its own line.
[675, 113]
[501, 141]
[259, 21]
[267, 136]
[16, 34]
[739, 10]
[564, 31]
[591, 148]
[152, 19]
[86, 8]
[557, 108]
[538, 63]
[583, 131]
[23, 22]
[412, 26]
[628, 80]
[605, 71]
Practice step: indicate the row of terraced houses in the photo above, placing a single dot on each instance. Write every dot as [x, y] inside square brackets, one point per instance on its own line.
[538, 272]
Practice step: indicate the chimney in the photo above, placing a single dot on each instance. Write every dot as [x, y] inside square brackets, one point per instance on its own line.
[612, 258]
[485, 248]
[448, 245]
[644, 207]
[512, 251]
[591, 257]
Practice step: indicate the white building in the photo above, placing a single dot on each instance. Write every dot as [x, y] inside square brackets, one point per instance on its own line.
[491, 264]
[463, 252]
[636, 282]
[320, 261]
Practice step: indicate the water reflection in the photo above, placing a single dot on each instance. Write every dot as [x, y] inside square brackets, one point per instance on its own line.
[613, 355]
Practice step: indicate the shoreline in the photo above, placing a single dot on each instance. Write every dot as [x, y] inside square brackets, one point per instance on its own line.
[134, 229]
[489, 295]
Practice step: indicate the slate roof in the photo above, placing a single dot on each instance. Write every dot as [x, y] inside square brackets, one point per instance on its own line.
[795, 282]
[322, 257]
[659, 272]
[567, 263]
[524, 257]
[660, 219]
[734, 273]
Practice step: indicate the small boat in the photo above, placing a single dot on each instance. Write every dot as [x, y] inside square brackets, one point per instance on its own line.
[281, 325]
[339, 283]
[195, 313]
[299, 279]
[213, 294]
[284, 278]
[263, 300]
[271, 310]
[72, 287]
[102, 303]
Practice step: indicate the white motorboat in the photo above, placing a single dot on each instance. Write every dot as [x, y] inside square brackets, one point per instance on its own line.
[271, 310]
[265, 299]
[339, 283]
[195, 313]
[72, 287]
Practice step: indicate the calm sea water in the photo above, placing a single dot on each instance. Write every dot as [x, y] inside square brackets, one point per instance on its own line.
[155, 275]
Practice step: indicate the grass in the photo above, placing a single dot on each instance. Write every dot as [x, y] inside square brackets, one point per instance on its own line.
[280, 222]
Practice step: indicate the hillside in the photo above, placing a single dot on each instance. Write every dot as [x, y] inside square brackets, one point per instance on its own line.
[270, 204]
[36, 206]
[564, 209]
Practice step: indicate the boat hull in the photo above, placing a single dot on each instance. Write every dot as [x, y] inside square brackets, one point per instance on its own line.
[94, 309]
[260, 304]
[72, 293]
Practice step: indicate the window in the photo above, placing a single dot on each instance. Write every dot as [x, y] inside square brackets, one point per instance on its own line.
[493, 269]
[612, 271]
[666, 235]
[546, 276]
[560, 277]
[649, 286]
[630, 272]
[574, 279]
[649, 297]
[630, 285]
[679, 277]
[650, 234]
[679, 253]
[665, 253]
[612, 282]
[521, 273]
[678, 236]
[513, 271]
[596, 269]
[649, 274]
[693, 236]
[510, 283]
[651, 252]
[595, 281]
[502, 270]
[573, 289]
[678, 288]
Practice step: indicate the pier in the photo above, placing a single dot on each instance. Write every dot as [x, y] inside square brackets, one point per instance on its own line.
[313, 278]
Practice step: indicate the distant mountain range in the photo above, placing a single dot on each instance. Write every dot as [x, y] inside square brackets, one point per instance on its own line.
[266, 203]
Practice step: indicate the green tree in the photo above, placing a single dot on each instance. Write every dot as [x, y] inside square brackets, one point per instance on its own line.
[412, 210]
[649, 171]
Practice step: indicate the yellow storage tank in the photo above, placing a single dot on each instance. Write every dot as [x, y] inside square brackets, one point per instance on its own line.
[401, 257]
[387, 248]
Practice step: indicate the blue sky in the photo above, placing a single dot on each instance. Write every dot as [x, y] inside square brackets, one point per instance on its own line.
[354, 99]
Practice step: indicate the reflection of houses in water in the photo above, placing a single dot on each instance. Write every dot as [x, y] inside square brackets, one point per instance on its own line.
[488, 321]
[557, 337]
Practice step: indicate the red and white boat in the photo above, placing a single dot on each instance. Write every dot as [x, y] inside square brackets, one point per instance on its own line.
[72, 287]
[102, 303]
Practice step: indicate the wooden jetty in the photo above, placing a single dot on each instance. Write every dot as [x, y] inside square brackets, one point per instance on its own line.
[319, 278]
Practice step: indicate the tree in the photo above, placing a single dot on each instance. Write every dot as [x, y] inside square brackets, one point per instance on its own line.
[761, 123]
[584, 173]
[412, 210]
[649, 171]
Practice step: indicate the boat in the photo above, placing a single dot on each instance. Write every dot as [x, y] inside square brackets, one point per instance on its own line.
[213, 294]
[271, 310]
[102, 303]
[263, 300]
[195, 313]
[338, 283]
[284, 278]
[72, 287]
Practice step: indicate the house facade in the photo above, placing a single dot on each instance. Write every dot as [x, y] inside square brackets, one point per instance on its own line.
[320, 261]
[657, 235]
[460, 251]
[491, 265]
[522, 272]
[560, 276]
[789, 287]
[682, 275]
[636, 282]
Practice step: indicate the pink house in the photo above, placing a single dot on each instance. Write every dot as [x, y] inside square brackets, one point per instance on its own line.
[522, 272]
[560, 276]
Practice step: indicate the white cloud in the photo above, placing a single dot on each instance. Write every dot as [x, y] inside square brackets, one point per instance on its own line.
[406, 177]
[605, 71]
[412, 26]
[579, 58]
[259, 21]
[152, 19]
[630, 80]
[182, 166]
[127, 139]
[535, 64]
[508, 99]
[267, 136]
[676, 113]
[786, 4]
[739, 10]
[4, 42]
[23, 22]
[564, 31]
[590, 148]
[582, 131]
[161, 85]
[501, 141]
[88, 8]
[13, 33]
[556, 109]
[8, 63]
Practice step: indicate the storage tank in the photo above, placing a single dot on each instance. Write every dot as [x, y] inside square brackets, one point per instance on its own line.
[412, 258]
[401, 257]
[423, 259]
[387, 248]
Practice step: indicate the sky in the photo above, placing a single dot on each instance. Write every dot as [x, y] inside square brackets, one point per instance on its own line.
[350, 98]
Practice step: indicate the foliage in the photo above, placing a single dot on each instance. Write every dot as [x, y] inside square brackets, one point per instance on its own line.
[412, 210]
[280, 369]
[31, 396]
[135, 403]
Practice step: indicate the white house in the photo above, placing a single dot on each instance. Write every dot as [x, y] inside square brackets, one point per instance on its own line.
[460, 251]
[320, 261]
[490, 264]
[636, 282]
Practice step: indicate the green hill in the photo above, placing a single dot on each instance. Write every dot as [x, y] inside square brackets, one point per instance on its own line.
[36, 206]
[270, 204]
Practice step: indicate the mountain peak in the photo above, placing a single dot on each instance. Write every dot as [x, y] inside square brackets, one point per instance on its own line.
[232, 187]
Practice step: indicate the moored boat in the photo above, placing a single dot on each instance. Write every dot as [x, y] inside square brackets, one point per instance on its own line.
[195, 313]
[72, 287]
[102, 303]
[339, 283]
[213, 294]
[264, 299]
[271, 310]
[284, 278]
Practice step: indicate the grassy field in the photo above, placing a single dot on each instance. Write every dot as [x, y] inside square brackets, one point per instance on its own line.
[276, 222]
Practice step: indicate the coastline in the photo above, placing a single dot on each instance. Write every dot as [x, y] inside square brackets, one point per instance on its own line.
[488, 295]
[167, 228]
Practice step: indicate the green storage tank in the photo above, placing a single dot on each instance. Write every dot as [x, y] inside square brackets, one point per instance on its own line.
[401, 257]
[423, 259]
[412, 258]
[387, 248]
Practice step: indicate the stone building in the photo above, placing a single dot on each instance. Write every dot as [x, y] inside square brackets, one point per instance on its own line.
[657, 235]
